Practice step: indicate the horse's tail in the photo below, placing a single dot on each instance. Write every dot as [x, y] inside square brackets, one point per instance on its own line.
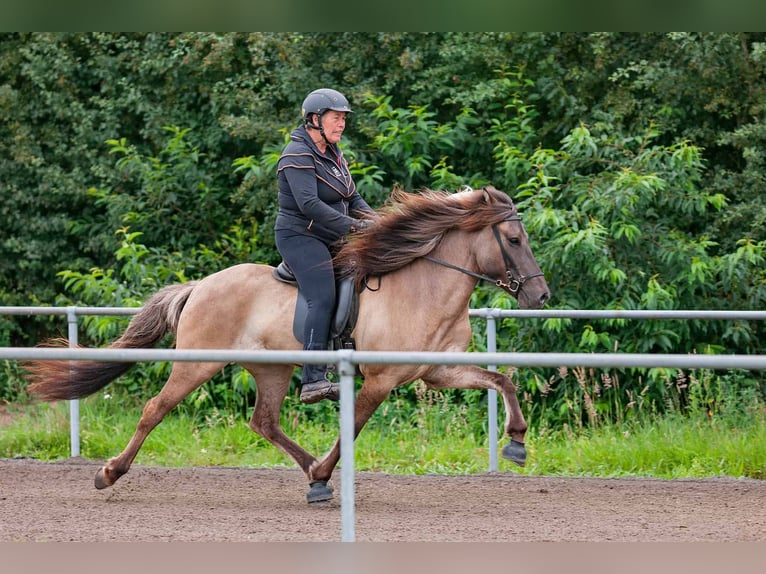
[57, 380]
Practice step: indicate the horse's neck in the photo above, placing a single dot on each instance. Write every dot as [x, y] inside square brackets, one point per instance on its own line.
[422, 306]
[440, 287]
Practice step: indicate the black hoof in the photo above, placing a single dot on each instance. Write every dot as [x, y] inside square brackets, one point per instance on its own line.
[319, 491]
[101, 481]
[515, 452]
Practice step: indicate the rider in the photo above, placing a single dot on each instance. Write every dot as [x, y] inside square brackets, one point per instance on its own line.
[318, 206]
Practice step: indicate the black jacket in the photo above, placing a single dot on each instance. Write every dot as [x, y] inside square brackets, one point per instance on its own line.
[317, 196]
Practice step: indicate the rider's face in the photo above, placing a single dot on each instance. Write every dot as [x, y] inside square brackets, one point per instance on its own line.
[334, 123]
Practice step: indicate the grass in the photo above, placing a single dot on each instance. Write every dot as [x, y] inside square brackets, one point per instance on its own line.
[671, 447]
[434, 441]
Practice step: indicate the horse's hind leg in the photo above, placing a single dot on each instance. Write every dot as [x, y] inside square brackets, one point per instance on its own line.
[272, 382]
[184, 378]
[472, 377]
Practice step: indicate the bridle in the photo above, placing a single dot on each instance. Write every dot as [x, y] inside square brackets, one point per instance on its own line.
[515, 280]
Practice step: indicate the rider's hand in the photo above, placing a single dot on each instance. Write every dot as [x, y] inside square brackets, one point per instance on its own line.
[360, 225]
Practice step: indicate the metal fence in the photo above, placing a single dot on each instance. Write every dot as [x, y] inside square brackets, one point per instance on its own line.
[492, 315]
[346, 361]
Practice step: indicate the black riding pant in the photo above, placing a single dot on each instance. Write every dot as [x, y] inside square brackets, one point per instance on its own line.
[310, 260]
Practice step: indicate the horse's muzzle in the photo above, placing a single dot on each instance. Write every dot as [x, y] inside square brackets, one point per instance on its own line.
[533, 295]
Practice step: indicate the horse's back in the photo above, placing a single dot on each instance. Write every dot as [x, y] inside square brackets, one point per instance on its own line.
[239, 272]
[241, 307]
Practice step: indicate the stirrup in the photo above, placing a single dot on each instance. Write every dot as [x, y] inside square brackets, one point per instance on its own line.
[319, 390]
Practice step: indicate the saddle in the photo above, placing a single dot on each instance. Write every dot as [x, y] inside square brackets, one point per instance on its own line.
[345, 313]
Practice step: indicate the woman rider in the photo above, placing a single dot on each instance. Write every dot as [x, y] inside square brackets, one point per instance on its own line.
[318, 205]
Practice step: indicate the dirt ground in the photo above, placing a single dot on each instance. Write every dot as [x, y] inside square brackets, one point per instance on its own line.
[57, 502]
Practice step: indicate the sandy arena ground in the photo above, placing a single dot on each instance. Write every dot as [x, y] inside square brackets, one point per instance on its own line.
[57, 502]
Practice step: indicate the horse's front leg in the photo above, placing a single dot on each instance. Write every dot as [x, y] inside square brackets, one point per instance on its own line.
[371, 395]
[472, 377]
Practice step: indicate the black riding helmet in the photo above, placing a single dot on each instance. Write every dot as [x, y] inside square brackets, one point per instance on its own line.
[321, 100]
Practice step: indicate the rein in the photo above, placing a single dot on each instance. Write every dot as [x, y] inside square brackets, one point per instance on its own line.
[515, 280]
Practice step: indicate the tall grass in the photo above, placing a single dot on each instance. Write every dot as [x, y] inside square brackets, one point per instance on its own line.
[440, 433]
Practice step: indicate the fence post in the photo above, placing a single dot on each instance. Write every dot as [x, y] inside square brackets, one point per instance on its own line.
[74, 405]
[491, 393]
[346, 370]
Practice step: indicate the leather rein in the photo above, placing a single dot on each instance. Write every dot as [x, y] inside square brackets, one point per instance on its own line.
[515, 280]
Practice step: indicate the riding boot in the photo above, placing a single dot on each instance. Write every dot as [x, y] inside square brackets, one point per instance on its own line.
[315, 386]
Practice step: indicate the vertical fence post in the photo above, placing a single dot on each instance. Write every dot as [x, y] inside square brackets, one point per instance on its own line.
[491, 393]
[74, 405]
[346, 370]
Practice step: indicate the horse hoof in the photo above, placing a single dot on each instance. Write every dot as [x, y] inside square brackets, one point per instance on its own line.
[515, 452]
[319, 491]
[101, 482]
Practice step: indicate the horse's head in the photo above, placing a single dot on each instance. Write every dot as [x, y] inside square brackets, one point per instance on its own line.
[411, 226]
[504, 253]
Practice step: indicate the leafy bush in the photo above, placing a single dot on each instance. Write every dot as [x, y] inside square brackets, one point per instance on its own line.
[618, 202]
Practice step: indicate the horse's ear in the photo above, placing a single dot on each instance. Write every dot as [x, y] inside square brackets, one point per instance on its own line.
[488, 194]
[396, 193]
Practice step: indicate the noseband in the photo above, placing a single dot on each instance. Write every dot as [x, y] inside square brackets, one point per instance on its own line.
[514, 279]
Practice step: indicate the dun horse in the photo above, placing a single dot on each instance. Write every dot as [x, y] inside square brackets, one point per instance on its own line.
[428, 249]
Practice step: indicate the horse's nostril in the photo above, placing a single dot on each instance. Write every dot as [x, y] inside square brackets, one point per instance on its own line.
[544, 298]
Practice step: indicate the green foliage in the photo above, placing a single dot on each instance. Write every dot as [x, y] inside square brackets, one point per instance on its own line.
[636, 161]
[412, 145]
[171, 196]
[65, 94]
[11, 383]
[141, 270]
[617, 223]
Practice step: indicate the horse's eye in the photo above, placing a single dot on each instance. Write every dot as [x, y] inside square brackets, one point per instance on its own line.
[515, 241]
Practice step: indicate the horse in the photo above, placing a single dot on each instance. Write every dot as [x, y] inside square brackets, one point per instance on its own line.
[424, 252]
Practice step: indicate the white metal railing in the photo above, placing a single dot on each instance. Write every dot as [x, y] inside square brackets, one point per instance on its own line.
[490, 315]
[346, 360]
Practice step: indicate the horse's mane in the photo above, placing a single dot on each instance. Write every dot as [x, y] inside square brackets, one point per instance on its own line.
[411, 225]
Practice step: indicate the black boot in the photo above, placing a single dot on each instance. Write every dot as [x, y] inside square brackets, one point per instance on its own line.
[315, 386]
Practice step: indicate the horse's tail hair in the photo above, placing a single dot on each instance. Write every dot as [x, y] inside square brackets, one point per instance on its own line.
[51, 380]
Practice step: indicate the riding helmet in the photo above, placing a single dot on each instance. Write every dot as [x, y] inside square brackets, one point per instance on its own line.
[323, 99]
